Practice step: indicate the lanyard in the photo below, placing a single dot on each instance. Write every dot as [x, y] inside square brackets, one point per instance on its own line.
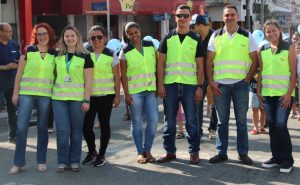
[68, 63]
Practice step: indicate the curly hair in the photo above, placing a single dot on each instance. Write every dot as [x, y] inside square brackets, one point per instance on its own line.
[50, 31]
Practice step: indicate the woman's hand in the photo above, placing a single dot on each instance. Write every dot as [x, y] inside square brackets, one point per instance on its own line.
[285, 101]
[116, 101]
[128, 100]
[85, 107]
[15, 99]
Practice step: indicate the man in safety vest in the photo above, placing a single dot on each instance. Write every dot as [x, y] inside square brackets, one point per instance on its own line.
[231, 63]
[180, 78]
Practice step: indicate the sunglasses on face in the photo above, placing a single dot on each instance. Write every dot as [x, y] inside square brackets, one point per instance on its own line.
[184, 16]
[99, 37]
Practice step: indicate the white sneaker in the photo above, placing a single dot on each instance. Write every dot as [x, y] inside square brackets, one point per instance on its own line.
[212, 134]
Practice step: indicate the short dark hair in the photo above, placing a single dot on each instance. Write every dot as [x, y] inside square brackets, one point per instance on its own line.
[184, 7]
[230, 6]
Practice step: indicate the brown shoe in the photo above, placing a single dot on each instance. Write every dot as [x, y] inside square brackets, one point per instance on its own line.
[149, 157]
[194, 158]
[166, 158]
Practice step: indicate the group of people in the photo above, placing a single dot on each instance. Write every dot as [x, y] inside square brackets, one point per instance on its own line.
[83, 82]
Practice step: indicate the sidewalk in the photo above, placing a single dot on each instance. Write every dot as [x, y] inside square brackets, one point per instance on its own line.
[123, 169]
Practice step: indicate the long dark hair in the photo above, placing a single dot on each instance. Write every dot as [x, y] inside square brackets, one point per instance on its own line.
[276, 24]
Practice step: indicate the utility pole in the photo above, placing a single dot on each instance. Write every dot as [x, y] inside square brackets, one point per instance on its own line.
[262, 14]
[248, 20]
[108, 19]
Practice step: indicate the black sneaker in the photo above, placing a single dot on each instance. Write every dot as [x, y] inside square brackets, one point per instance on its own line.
[100, 161]
[286, 168]
[245, 159]
[218, 158]
[12, 140]
[270, 163]
[90, 158]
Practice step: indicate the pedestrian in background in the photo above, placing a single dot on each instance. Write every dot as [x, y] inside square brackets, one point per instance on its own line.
[180, 77]
[200, 25]
[71, 97]
[231, 63]
[276, 86]
[33, 88]
[9, 57]
[105, 95]
[138, 73]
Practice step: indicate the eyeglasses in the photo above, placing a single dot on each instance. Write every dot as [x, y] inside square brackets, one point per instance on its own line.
[184, 16]
[41, 34]
[99, 37]
[7, 31]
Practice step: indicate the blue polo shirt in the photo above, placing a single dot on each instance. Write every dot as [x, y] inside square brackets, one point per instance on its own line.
[8, 53]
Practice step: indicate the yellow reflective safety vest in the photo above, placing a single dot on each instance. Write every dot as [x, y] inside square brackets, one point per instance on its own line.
[38, 75]
[232, 60]
[181, 59]
[276, 71]
[141, 68]
[103, 82]
[69, 85]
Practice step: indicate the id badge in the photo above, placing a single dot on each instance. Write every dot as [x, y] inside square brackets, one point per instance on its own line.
[67, 79]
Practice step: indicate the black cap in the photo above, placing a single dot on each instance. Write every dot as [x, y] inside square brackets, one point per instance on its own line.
[199, 19]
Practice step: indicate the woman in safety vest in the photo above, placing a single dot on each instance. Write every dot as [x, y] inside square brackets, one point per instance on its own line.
[71, 97]
[138, 68]
[33, 87]
[276, 83]
[105, 95]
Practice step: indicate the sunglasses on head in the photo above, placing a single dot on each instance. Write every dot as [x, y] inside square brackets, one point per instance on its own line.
[185, 16]
[99, 37]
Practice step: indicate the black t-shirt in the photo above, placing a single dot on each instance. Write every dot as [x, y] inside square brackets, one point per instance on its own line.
[163, 44]
[205, 42]
[87, 57]
[34, 48]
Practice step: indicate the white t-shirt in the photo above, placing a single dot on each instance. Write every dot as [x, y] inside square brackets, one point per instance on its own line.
[211, 47]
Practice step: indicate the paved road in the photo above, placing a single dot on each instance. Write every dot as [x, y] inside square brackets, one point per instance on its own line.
[122, 168]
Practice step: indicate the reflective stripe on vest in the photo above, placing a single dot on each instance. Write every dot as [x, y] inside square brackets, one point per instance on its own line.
[37, 78]
[232, 60]
[141, 70]
[73, 90]
[181, 61]
[103, 82]
[276, 73]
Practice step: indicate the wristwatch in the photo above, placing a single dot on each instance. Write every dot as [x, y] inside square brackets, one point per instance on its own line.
[86, 100]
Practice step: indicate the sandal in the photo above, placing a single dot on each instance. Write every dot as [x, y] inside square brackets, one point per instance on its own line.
[180, 135]
[254, 132]
[149, 157]
[141, 160]
[61, 168]
[263, 131]
[126, 117]
[42, 167]
[16, 169]
[75, 168]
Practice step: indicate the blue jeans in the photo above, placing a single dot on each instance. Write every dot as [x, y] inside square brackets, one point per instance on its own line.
[280, 139]
[185, 94]
[69, 127]
[11, 110]
[143, 103]
[239, 94]
[26, 104]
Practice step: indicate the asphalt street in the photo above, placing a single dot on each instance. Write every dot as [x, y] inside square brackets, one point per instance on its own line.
[122, 167]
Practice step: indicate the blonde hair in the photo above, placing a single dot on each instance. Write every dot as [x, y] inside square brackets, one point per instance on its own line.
[79, 45]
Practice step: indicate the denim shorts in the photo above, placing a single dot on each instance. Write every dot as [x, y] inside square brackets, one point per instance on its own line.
[253, 100]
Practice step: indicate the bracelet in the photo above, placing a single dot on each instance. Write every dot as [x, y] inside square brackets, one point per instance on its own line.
[86, 100]
[200, 85]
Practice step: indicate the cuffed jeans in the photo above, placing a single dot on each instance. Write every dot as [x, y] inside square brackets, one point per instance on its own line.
[11, 110]
[280, 139]
[143, 103]
[185, 94]
[26, 104]
[240, 96]
[69, 125]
